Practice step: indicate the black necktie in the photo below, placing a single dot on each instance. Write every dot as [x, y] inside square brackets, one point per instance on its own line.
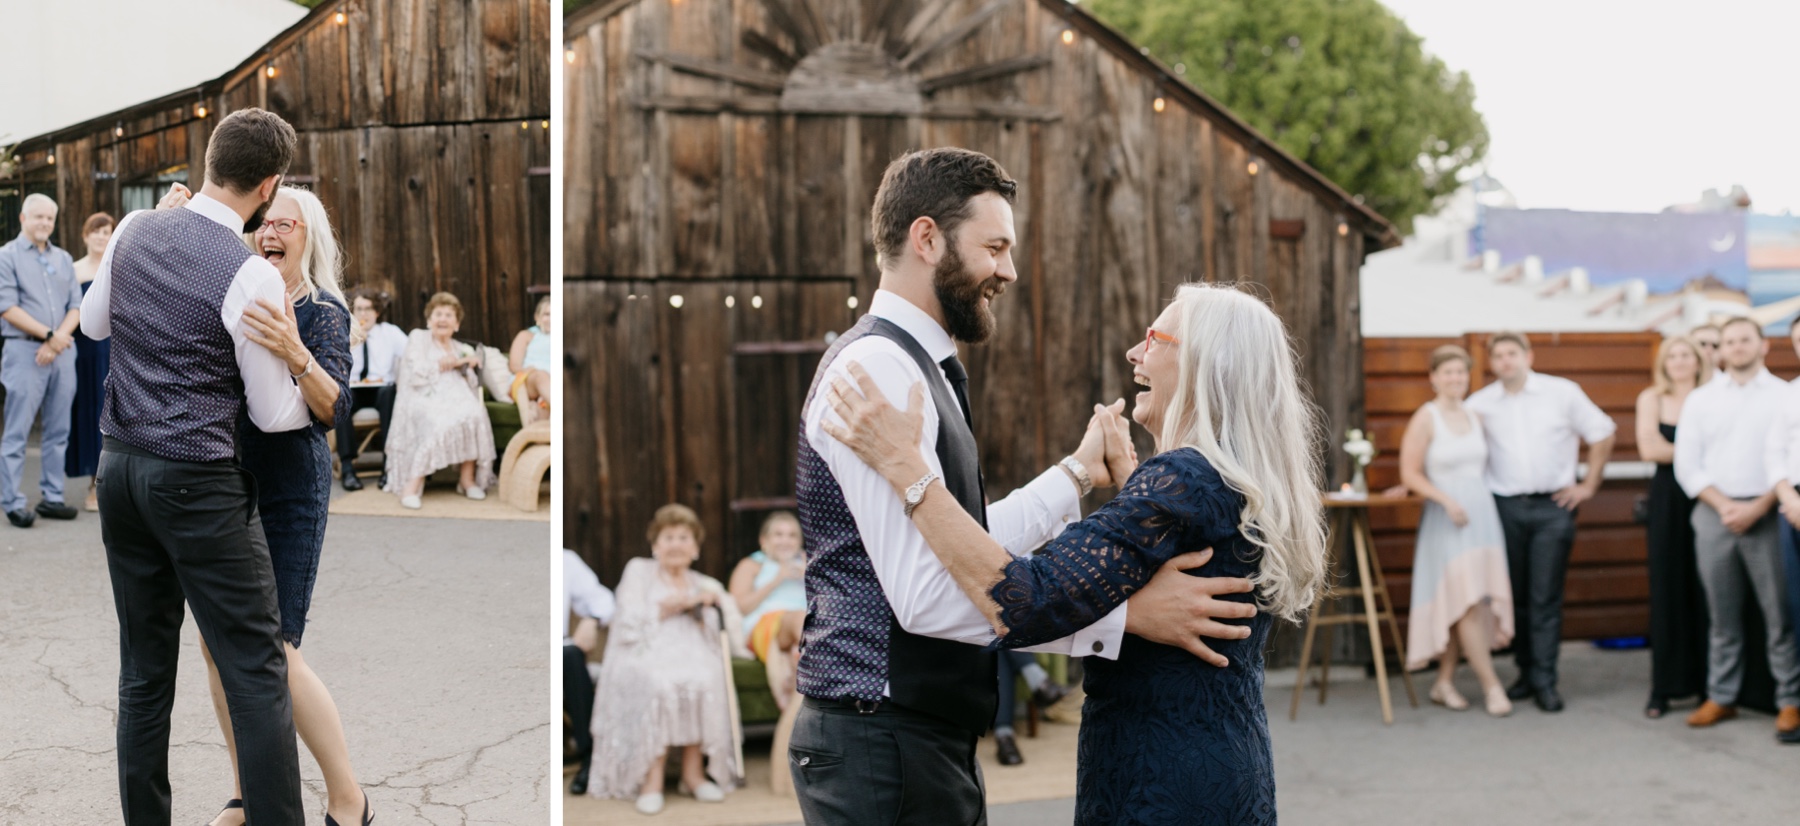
[365, 370]
[959, 383]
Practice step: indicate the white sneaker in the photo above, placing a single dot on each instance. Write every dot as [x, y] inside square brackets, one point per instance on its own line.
[649, 804]
[411, 502]
[476, 494]
[707, 792]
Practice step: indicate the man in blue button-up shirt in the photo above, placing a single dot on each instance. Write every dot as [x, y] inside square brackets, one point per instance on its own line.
[40, 307]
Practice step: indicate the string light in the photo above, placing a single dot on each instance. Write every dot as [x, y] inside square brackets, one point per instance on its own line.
[119, 131]
[1068, 37]
[1159, 104]
[341, 18]
[730, 301]
[569, 56]
[545, 124]
[675, 301]
[524, 124]
[52, 159]
[851, 302]
[1343, 228]
[1253, 167]
[270, 71]
[200, 111]
[756, 302]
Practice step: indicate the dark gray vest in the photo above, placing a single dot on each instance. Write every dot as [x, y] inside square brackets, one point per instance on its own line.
[174, 388]
[852, 644]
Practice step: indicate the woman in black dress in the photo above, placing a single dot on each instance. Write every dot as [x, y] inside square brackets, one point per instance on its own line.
[1678, 622]
[1165, 736]
[92, 358]
[293, 474]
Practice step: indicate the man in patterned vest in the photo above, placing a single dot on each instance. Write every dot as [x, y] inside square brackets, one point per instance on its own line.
[898, 686]
[177, 514]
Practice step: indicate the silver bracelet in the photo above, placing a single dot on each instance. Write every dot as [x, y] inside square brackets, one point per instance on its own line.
[1078, 472]
[303, 373]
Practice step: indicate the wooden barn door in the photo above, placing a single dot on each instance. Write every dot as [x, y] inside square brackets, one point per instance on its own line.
[688, 391]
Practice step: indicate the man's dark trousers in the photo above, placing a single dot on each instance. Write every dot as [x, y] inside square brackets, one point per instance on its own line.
[382, 399]
[578, 700]
[1539, 534]
[189, 531]
[892, 765]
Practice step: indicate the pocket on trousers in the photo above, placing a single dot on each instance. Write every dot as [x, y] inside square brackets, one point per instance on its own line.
[211, 506]
[812, 761]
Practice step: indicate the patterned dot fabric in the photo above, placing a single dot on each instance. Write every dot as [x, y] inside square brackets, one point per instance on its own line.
[174, 388]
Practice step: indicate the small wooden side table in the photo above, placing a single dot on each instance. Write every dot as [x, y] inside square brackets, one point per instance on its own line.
[1350, 526]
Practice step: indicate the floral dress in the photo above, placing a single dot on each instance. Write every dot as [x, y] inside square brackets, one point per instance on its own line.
[439, 418]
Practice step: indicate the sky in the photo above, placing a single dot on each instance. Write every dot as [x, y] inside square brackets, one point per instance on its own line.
[1610, 105]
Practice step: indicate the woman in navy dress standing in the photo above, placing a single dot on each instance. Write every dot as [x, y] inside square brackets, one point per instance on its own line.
[1165, 736]
[293, 473]
[91, 361]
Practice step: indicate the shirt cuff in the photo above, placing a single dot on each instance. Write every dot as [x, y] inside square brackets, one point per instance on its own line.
[1061, 498]
[1102, 639]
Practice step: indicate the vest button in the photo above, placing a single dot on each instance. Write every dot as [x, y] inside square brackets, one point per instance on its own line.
[1099, 646]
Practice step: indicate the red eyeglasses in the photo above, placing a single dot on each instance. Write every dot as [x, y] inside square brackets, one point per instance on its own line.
[281, 227]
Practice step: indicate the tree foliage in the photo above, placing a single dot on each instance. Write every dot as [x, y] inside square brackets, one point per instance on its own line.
[1343, 85]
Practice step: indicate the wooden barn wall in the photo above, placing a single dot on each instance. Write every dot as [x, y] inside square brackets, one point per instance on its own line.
[1608, 585]
[675, 178]
[423, 127]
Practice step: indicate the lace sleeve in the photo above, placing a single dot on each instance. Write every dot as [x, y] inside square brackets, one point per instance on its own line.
[1173, 504]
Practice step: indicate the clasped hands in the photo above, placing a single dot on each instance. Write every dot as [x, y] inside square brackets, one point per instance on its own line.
[1173, 608]
[54, 345]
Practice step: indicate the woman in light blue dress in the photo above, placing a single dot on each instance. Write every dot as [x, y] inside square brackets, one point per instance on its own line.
[770, 590]
[1461, 595]
[529, 361]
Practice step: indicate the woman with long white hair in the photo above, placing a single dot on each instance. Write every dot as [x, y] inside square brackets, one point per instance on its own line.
[1165, 736]
[311, 332]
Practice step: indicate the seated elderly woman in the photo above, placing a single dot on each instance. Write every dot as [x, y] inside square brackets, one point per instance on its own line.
[662, 681]
[530, 365]
[439, 419]
[769, 587]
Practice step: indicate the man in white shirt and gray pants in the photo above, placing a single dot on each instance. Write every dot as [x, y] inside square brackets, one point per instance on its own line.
[1783, 462]
[1535, 424]
[1720, 460]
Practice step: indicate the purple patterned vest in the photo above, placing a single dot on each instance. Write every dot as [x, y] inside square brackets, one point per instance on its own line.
[853, 645]
[174, 389]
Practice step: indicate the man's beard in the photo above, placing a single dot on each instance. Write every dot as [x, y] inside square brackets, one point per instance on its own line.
[960, 297]
[255, 221]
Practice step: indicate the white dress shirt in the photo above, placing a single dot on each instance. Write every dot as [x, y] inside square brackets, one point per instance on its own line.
[1534, 436]
[1783, 450]
[582, 593]
[925, 598]
[385, 343]
[1723, 432]
[270, 391]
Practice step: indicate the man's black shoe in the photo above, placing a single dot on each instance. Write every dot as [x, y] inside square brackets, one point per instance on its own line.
[350, 480]
[382, 482]
[21, 518]
[578, 786]
[1791, 738]
[1520, 690]
[1008, 749]
[1047, 694]
[56, 510]
[1549, 700]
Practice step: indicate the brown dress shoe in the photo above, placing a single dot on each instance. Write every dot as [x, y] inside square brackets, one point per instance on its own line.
[1788, 721]
[1710, 713]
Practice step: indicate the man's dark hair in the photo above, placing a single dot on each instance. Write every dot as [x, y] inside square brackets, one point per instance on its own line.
[1515, 338]
[1738, 319]
[377, 298]
[936, 184]
[247, 147]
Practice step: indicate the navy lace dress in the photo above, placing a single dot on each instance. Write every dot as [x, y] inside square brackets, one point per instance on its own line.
[1165, 738]
[293, 469]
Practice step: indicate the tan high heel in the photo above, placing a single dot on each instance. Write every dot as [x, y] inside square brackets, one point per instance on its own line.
[1497, 703]
[1444, 694]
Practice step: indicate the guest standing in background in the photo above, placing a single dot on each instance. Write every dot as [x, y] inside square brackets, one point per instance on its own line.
[1535, 425]
[1784, 474]
[40, 307]
[91, 360]
[1462, 603]
[1706, 337]
[373, 364]
[1677, 602]
[1720, 461]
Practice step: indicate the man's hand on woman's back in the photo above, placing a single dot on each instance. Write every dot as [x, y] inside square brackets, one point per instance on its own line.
[1178, 609]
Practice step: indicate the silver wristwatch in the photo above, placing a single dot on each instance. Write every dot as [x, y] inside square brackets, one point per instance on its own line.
[916, 493]
[1079, 473]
